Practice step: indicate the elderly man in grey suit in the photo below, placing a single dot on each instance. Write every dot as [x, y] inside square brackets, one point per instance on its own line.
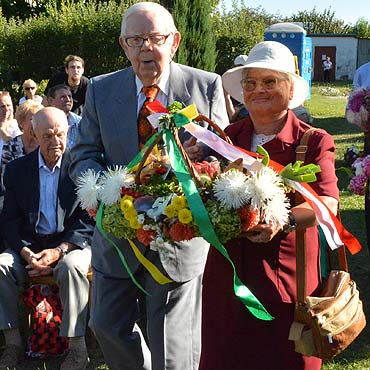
[108, 135]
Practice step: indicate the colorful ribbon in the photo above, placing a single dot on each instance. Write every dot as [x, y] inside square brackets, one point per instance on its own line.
[205, 226]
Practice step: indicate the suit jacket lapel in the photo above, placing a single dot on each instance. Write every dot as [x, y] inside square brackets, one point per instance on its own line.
[65, 189]
[33, 186]
[178, 90]
[125, 113]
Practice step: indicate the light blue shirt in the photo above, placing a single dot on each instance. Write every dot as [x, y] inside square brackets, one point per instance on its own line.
[47, 219]
[73, 123]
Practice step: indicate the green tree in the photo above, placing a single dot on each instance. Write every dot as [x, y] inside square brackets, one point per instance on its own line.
[362, 28]
[198, 47]
[24, 9]
[316, 22]
[237, 31]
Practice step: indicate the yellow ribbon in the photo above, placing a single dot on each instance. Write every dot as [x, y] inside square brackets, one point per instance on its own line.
[153, 270]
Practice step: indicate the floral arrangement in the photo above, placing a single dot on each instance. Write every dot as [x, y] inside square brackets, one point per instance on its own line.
[359, 181]
[155, 210]
[358, 108]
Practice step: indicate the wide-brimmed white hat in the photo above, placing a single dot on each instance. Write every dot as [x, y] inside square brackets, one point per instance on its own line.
[268, 55]
[240, 60]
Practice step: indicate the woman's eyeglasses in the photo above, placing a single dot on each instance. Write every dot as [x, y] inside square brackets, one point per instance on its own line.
[270, 83]
[30, 88]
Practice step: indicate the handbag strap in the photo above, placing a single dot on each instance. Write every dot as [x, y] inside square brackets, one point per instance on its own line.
[301, 259]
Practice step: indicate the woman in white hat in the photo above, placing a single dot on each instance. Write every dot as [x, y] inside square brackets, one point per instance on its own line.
[265, 258]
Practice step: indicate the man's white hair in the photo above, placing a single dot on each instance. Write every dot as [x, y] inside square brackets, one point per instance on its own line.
[149, 7]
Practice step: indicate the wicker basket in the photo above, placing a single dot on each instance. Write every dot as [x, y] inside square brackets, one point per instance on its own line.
[192, 171]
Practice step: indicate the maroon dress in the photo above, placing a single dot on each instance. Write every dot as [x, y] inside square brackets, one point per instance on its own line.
[233, 339]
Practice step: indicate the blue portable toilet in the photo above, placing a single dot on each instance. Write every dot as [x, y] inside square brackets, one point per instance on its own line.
[294, 37]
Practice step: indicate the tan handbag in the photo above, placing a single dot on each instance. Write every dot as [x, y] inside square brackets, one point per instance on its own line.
[325, 325]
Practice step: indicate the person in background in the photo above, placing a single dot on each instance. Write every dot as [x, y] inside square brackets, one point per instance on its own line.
[264, 256]
[72, 76]
[327, 65]
[361, 79]
[236, 110]
[9, 129]
[25, 142]
[46, 232]
[30, 88]
[109, 135]
[60, 96]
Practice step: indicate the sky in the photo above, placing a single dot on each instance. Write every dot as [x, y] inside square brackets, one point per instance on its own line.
[344, 9]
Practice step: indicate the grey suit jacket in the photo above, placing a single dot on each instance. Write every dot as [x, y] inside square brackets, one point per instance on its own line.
[108, 136]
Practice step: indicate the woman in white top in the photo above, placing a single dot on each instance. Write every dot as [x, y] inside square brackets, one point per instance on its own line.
[29, 88]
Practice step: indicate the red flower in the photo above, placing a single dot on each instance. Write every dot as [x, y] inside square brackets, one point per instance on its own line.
[145, 236]
[180, 232]
[250, 217]
[92, 212]
[209, 168]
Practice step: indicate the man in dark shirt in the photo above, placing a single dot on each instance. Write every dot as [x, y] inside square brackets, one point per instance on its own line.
[72, 76]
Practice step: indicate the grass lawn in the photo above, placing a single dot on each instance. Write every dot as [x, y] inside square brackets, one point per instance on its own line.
[328, 113]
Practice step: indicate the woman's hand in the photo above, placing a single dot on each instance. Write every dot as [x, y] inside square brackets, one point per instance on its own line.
[262, 233]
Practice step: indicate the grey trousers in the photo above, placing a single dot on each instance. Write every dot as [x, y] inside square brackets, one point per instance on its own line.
[70, 274]
[173, 313]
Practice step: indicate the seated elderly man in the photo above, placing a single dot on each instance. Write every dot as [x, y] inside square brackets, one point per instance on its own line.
[46, 233]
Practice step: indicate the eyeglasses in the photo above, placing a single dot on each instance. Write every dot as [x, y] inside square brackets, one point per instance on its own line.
[137, 41]
[270, 83]
[30, 88]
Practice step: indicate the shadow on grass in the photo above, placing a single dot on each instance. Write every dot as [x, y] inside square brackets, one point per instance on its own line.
[336, 126]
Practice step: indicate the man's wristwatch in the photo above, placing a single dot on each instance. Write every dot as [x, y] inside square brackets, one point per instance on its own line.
[291, 225]
[63, 249]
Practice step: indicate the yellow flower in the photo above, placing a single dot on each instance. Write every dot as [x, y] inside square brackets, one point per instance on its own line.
[127, 203]
[185, 216]
[179, 202]
[170, 211]
[135, 224]
[130, 214]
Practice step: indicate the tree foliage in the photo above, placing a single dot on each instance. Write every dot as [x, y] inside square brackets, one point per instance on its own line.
[316, 22]
[24, 9]
[237, 31]
[34, 48]
[362, 28]
[192, 17]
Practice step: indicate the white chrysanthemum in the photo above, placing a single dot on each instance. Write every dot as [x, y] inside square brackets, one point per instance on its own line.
[111, 184]
[263, 186]
[276, 210]
[230, 189]
[88, 189]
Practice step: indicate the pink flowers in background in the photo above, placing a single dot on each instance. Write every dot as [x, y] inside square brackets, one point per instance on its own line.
[362, 174]
[358, 108]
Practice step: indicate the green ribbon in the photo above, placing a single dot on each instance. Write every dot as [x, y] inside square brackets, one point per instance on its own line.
[99, 225]
[205, 226]
[299, 173]
[134, 162]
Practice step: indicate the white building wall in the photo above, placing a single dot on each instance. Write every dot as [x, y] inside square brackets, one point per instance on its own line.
[346, 58]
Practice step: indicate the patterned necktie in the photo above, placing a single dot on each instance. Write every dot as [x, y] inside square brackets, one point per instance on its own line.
[145, 129]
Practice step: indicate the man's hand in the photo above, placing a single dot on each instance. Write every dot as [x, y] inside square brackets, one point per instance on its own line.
[40, 263]
[193, 149]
